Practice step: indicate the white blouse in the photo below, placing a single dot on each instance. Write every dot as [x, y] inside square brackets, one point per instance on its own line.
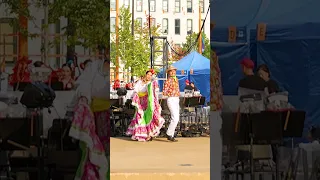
[140, 87]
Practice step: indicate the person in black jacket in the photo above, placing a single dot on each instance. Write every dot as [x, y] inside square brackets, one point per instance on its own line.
[264, 73]
[250, 80]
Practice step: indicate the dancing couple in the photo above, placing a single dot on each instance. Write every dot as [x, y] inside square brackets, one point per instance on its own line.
[147, 120]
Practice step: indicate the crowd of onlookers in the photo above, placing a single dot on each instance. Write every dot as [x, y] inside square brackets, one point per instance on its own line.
[59, 79]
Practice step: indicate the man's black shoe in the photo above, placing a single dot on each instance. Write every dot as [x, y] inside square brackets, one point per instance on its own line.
[172, 139]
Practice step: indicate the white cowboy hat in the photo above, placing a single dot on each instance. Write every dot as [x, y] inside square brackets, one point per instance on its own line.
[171, 68]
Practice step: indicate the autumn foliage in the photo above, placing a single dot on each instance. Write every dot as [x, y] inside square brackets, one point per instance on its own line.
[176, 53]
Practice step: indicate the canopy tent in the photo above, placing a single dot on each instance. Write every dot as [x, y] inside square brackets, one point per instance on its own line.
[200, 66]
[291, 45]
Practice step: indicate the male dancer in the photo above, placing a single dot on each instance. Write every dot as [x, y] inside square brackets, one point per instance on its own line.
[172, 91]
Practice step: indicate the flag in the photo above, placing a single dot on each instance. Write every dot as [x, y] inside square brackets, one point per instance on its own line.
[202, 44]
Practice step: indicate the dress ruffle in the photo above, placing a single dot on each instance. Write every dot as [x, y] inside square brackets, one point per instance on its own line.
[139, 131]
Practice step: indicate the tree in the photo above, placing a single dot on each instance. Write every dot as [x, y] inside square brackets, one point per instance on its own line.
[176, 53]
[134, 51]
[190, 41]
[180, 52]
[90, 19]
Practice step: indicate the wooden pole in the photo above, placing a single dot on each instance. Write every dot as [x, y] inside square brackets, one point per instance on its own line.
[23, 39]
[117, 39]
[200, 36]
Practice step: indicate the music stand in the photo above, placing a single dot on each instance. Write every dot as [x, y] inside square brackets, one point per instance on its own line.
[15, 133]
[293, 123]
[252, 101]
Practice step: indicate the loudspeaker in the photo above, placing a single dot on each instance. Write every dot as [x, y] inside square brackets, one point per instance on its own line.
[37, 95]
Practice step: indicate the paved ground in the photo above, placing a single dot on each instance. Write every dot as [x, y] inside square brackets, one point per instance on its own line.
[187, 159]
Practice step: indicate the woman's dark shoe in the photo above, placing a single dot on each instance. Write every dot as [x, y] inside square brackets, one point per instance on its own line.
[172, 139]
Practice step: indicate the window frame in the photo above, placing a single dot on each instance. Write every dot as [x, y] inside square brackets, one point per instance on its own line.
[167, 10]
[175, 6]
[141, 6]
[115, 4]
[175, 27]
[188, 20]
[189, 2]
[165, 19]
[111, 18]
[141, 23]
[124, 3]
[14, 42]
[155, 6]
[202, 4]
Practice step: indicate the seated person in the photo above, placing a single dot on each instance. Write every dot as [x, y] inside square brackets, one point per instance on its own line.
[264, 73]
[56, 80]
[21, 74]
[67, 78]
[188, 86]
[251, 81]
[129, 86]
[116, 85]
[194, 88]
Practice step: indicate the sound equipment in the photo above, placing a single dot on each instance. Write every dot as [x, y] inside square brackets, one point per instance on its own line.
[38, 95]
[122, 92]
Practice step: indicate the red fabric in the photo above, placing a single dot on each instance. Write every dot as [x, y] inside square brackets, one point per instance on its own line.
[20, 71]
[248, 63]
[116, 84]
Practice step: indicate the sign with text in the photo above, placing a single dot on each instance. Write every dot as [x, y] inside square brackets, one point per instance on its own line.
[261, 32]
[232, 34]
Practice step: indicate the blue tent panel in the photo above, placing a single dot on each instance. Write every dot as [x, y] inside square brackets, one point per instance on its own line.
[230, 55]
[290, 49]
[195, 61]
[249, 13]
[222, 35]
[201, 72]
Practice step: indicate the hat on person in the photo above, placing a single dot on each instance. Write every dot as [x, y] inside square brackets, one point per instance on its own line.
[248, 63]
[187, 81]
[171, 68]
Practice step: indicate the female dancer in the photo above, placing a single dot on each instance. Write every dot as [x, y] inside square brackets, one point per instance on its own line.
[147, 120]
[90, 124]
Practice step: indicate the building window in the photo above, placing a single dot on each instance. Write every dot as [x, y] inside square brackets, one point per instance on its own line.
[58, 44]
[177, 26]
[165, 5]
[126, 3]
[153, 22]
[139, 5]
[8, 48]
[42, 39]
[189, 26]
[139, 22]
[189, 6]
[112, 5]
[177, 6]
[202, 6]
[153, 5]
[165, 26]
[113, 24]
